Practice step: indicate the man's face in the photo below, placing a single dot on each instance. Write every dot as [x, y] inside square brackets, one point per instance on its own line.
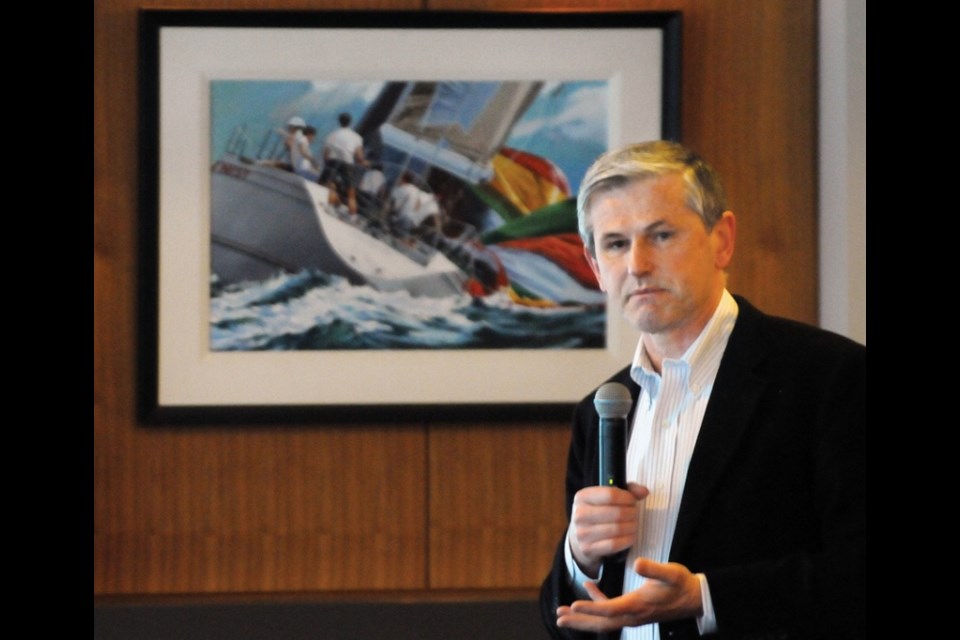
[655, 258]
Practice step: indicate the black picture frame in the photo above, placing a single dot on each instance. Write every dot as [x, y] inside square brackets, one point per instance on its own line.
[208, 399]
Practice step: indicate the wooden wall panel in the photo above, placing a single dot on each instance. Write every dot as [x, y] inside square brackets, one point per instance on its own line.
[280, 509]
[496, 504]
[434, 509]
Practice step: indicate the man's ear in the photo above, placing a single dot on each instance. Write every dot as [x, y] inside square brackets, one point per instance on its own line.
[724, 237]
[592, 261]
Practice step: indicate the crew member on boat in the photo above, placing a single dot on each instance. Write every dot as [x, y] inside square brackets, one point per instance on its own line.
[342, 153]
[301, 154]
[293, 140]
[413, 209]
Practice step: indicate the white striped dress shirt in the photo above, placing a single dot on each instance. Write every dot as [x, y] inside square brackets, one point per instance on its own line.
[665, 428]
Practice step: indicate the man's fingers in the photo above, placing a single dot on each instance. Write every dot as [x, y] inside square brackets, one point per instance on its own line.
[589, 623]
[598, 614]
[594, 592]
[662, 571]
[638, 491]
[604, 496]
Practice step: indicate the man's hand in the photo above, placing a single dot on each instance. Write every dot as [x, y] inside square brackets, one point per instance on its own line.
[670, 592]
[603, 522]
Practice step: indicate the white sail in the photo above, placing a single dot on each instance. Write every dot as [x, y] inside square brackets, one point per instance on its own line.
[457, 126]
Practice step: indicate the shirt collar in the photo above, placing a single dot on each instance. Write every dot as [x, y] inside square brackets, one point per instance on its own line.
[701, 359]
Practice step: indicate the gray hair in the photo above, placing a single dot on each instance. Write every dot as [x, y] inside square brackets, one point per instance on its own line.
[618, 168]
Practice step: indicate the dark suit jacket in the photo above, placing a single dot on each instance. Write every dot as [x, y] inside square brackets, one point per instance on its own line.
[774, 506]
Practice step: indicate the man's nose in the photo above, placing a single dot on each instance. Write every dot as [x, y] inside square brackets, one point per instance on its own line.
[639, 258]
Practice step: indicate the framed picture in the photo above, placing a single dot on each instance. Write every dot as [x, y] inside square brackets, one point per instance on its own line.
[372, 216]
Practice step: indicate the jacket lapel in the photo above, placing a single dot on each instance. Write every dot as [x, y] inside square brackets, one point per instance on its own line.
[734, 399]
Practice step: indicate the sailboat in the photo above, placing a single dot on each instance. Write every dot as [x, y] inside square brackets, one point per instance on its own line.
[509, 219]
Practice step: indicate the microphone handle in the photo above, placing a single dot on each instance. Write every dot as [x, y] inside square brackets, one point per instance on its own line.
[613, 453]
[613, 461]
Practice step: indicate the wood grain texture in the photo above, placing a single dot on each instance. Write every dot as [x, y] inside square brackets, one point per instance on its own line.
[425, 509]
[254, 509]
[496, 504]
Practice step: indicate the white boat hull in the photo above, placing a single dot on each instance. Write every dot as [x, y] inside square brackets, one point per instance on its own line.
[265, 220]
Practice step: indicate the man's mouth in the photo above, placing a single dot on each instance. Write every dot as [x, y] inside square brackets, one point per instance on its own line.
[645, 291]
[643, 295]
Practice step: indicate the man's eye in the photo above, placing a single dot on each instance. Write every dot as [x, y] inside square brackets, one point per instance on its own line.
[662, 236]
[614, 245]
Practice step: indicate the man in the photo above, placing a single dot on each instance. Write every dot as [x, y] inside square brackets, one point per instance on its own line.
[413, 209]
[301, 154]
[342, 152]
[745, 513]
[293, 139]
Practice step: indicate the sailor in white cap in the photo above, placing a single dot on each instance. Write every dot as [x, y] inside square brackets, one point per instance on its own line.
[298, 148]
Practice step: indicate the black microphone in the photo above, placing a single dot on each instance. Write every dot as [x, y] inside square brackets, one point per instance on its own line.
[613, 402]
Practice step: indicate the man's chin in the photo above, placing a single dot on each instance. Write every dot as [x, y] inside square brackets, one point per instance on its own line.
[645, 322]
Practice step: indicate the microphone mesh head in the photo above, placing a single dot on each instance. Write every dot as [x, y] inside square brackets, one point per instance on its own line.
[612, 400]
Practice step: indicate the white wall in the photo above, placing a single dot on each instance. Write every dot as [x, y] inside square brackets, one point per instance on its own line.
[843, 167]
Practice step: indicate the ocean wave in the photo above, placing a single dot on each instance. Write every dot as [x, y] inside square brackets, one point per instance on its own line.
[312, 310]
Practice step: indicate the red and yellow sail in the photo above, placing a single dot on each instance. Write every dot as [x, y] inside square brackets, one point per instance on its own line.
[526, 181]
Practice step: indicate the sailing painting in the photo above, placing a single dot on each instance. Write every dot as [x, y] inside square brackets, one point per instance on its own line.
[435, 268]
[450, 224]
